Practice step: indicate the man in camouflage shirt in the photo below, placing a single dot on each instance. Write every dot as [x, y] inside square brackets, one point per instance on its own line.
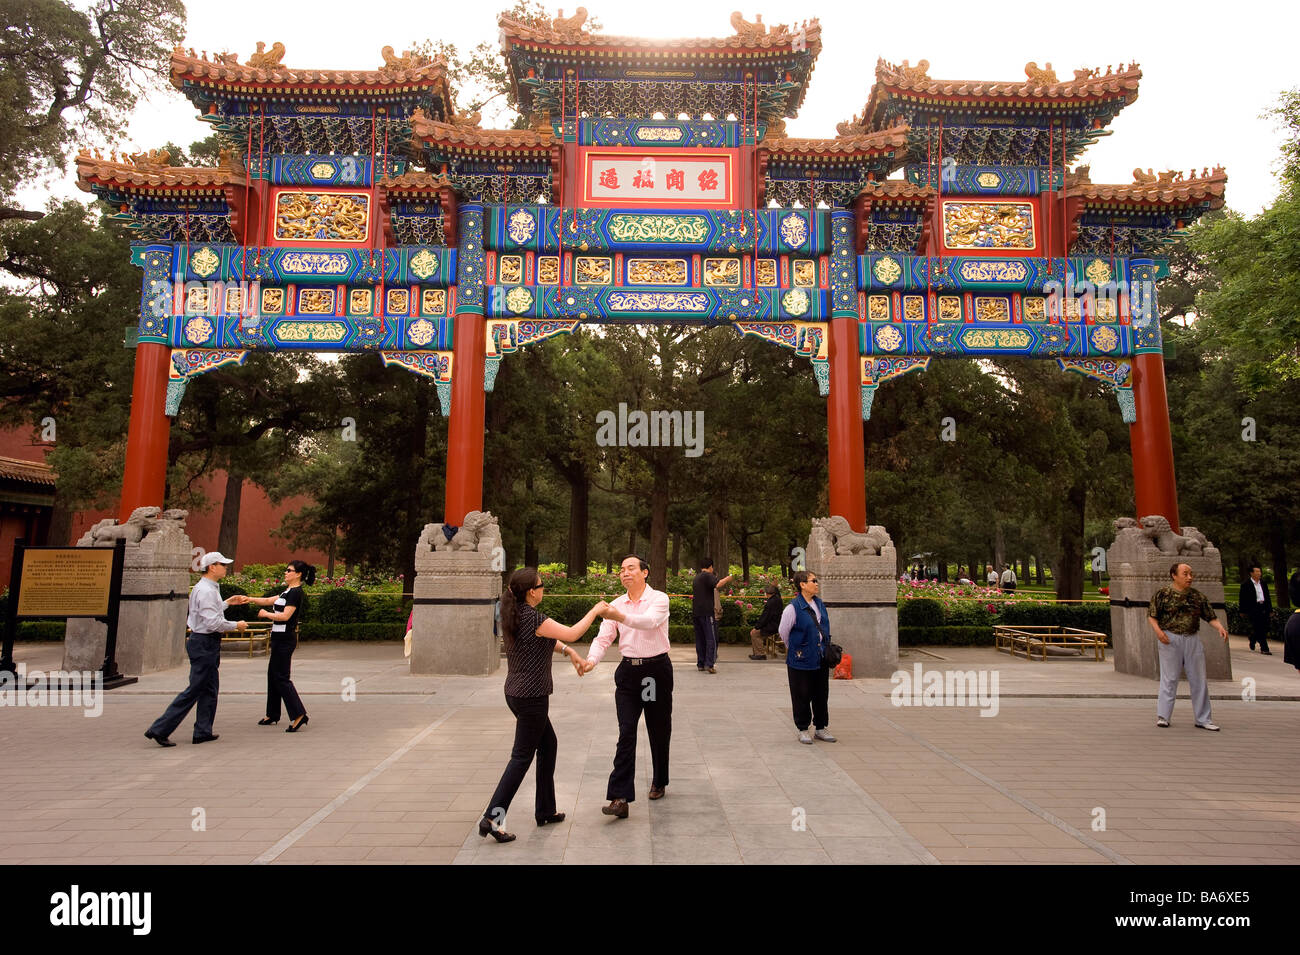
[1175, 614]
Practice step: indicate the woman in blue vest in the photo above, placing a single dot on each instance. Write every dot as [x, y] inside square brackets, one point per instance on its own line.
[806, 630]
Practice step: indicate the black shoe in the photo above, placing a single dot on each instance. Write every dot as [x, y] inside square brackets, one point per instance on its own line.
[1267, 653]
[616, 807]
[758, 656]
[160, 740]
[552, 818]
[485, 828]
[657, 792]
[267, 721]
[206, 739]
[297, 724]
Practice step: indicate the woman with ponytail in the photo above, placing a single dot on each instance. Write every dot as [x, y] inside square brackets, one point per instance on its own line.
[530, 637]
[284, 640]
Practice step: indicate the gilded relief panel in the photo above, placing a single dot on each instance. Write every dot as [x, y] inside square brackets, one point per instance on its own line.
[548, 270]
[988, 225]
[510, 269]
[433, 301]
[721, 271]
[913, 308]
[766, 271]
[878, 308]
[316, 301]
[591, 270]
[804, 274]
[656, 271]
[322, 216]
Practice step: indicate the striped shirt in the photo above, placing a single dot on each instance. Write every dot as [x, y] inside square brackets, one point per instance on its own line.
[287, 629]
[643, 634]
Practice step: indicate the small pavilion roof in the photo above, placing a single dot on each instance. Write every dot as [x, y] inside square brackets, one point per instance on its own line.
[461, 136]
[151, 174]
[866, 142]
[1170, 189]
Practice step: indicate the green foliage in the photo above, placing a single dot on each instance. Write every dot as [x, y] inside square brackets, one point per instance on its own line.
[340, 605]
[1239, 623]
[67, 73]
[945, 636]
[920, 612]
[368, 632]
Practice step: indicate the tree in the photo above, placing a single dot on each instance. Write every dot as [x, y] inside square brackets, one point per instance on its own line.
[66, 73]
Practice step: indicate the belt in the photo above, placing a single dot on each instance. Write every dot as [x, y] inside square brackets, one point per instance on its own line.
[638, 661]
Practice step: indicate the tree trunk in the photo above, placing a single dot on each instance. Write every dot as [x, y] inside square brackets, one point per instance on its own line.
[1277, 541]
[718, 535]
[530, 527]
[943, 570]
[418, 441]
[631, 541]
[1038, 569]
[658, 556]
[228, 535]
[744, 557]
[579, 506]
[330, 556]
[60, 526]
[676, 560]
[1069, 579]
[999, 548]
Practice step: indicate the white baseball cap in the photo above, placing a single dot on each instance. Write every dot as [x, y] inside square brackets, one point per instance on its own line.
[214, 557]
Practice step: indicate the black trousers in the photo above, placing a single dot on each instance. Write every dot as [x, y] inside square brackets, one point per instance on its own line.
[533, 734]
[646, 688]
[1259, 632]
[278, 685]
[810, 692]
[204, 650]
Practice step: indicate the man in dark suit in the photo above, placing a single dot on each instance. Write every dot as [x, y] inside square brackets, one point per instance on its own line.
[1258, 607]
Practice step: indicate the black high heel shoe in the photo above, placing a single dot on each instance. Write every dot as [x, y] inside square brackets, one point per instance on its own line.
[485, 828]
[297, 724]
[267, 721]
[553, 818]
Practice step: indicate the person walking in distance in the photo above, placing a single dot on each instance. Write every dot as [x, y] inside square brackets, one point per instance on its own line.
[1257, 606]
[703, 599]
[643, 682]
[207, 623]
[1175, 613]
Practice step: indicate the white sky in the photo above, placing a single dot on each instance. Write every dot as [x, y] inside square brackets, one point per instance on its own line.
[1210, 69]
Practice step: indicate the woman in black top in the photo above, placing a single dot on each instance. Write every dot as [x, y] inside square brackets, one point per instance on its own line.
[530, 638]
[284, 640]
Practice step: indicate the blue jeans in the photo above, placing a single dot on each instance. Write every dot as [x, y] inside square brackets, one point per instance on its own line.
[204, 650]
[706, 641]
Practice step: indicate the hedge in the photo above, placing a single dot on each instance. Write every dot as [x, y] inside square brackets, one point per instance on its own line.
[945, 636]
[312, 630]
[1080, 616]
[41, 631]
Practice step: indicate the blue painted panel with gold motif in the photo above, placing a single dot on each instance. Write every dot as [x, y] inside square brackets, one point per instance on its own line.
[891, 271]
[657, 303]
[307, 332]
[426, 265]
[956, 340]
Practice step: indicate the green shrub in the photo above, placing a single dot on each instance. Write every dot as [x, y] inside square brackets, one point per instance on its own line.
[340, 605]
[40, 631]
[386, 608]
[352, 631]
[920, 612]
[1239, 623]
[968, 613]
[945, 636]
[1094, 617]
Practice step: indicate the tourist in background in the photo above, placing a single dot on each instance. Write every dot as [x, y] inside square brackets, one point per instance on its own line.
[1256, 605]
[806, 630]
[706, 611]
[530, 637]
[1009, 580]
[769, 622]
[285, 615]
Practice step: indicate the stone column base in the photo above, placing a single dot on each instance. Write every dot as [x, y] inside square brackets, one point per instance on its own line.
[455, 609]
[1138, 563]
[861, 596]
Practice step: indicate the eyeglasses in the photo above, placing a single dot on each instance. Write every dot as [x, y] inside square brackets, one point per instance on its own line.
[813, 580]
[537, 586]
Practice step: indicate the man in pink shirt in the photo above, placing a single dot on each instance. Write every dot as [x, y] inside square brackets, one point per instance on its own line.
[642, 682]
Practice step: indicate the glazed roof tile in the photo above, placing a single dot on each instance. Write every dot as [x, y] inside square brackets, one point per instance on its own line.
[31, 472]
[884, 140]
[416, 182]
[897, 189]
[1037, 87]
[475, 137]
[186, 66]
[128, 175]
[1173, 192]
[775, 40]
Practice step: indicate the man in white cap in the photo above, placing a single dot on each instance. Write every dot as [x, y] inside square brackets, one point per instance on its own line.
[207, 622]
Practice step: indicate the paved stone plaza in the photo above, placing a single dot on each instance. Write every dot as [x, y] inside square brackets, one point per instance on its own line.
[402, 774]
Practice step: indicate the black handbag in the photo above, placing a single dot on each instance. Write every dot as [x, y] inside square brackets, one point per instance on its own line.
[833, 653]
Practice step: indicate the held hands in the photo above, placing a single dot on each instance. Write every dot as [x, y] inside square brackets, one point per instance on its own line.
[241, 626]
[237, 600]
[577, 662]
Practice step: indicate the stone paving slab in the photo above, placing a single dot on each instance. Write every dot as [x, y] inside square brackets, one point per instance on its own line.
[1070, 770]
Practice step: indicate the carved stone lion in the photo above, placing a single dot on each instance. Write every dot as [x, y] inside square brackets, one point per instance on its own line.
[844, 540]
[1157, 528]
[479, 532]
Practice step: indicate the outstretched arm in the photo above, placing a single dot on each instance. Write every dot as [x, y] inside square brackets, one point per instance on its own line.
[552, 630]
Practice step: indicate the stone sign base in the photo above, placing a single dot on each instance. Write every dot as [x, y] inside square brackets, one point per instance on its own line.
[860, 591]
[155, 601]
[456, 592]
[1138, 563]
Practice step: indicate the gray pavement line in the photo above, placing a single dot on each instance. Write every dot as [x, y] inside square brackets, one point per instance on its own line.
[273, 853]
[1033, 807]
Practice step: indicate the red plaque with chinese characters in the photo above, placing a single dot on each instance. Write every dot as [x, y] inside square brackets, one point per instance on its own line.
[659, 178]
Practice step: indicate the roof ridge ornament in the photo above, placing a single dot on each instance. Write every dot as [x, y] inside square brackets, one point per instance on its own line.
[1044, 77]
[570, 26]
[409, 60]
[746, 29]
[262, 60]
[152, 159]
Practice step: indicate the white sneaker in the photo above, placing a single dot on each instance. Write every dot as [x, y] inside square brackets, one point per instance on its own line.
[804, 737]
[1208, 726]
[1162, 721]
[825, 735]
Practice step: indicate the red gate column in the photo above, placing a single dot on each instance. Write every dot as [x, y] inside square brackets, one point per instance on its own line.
[144, 481]
[1154, 490]
[848, 488]
[1153, 450]
[469, 348]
